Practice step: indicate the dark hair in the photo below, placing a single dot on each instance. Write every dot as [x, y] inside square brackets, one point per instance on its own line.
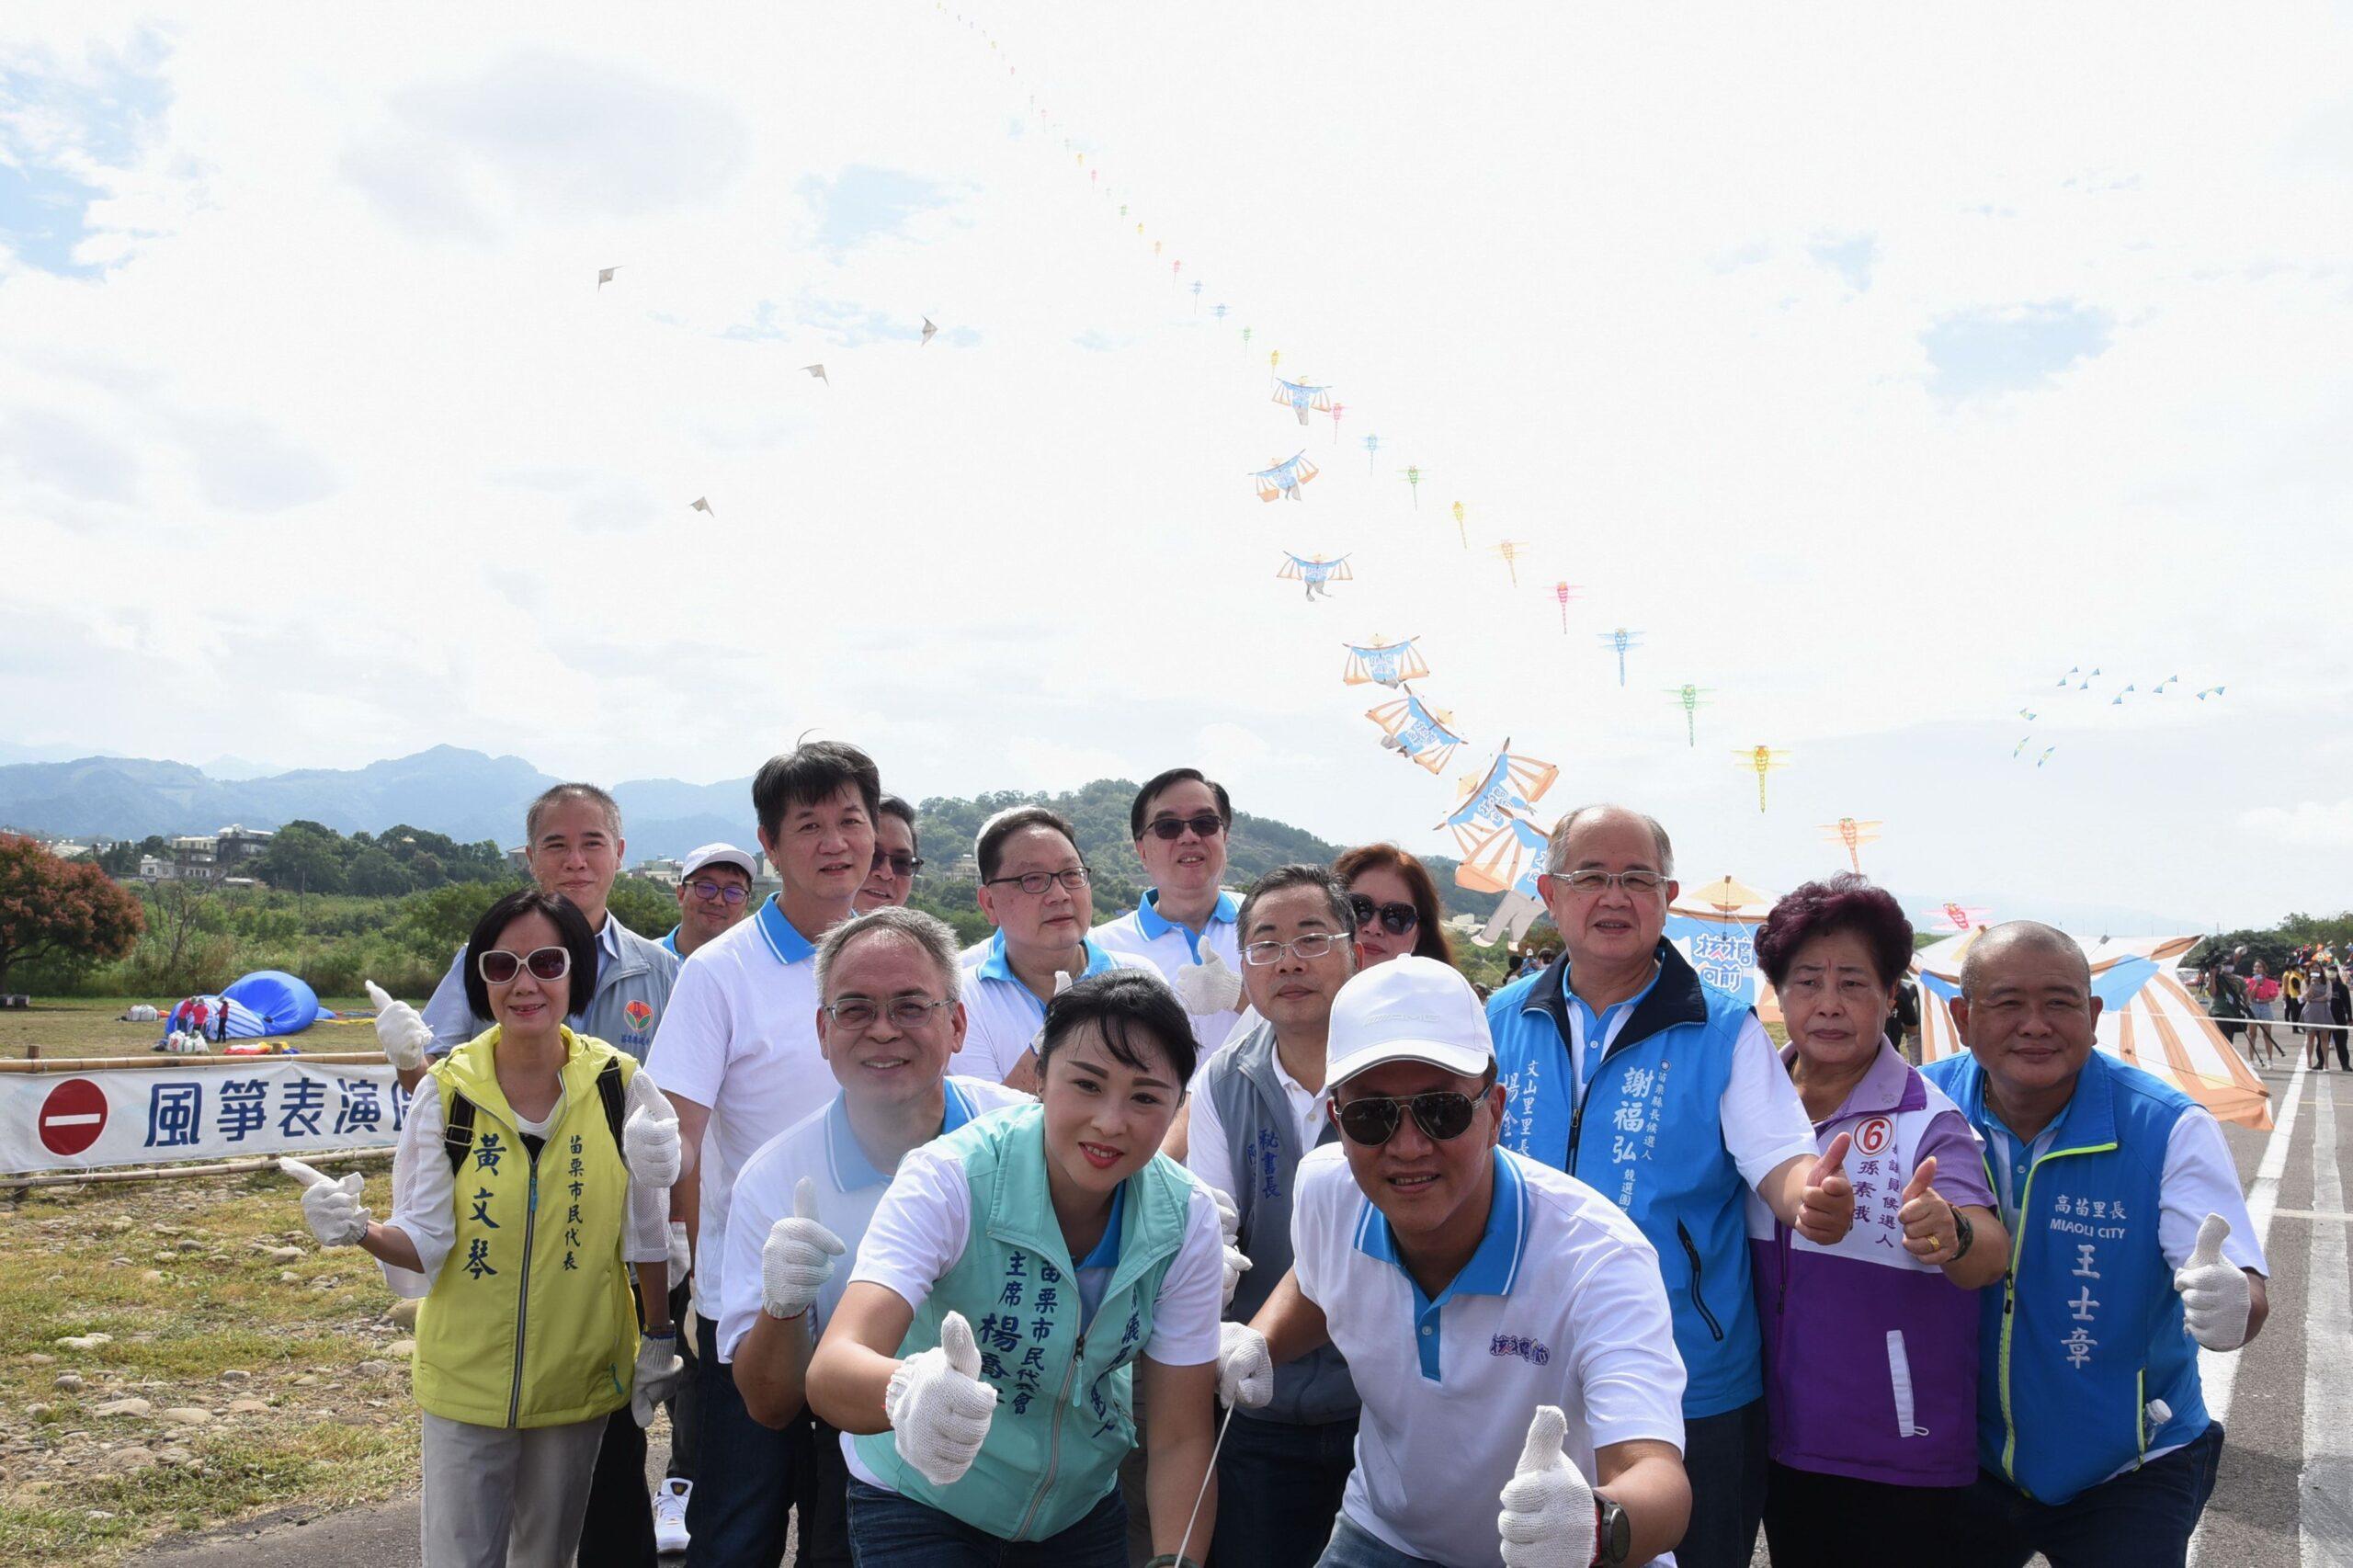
[811, 772]
[571, 929]
[1343, 913]
[1842, 902]
[1119, 1002]
[988, 849]
[1160, 781]
[1430, 940]
[556, 795]
[893, 806]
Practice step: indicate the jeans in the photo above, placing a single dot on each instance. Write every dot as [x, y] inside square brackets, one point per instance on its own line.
[887, 1531]
[1725, 1457]
[1815, 1520]
[2140, 1519]
[1353, 1546]
[743, 1499]
[1278, 1488]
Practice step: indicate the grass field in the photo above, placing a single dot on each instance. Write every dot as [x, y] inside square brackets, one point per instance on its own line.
[93, 1026]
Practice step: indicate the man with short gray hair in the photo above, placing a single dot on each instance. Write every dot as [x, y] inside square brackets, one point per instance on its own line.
[1668, 1096]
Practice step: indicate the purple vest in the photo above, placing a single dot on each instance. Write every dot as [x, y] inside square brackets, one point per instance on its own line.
[1870, 1355]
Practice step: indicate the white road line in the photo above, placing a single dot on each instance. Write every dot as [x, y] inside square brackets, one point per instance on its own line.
[2218, 1373]
[2324, 1495]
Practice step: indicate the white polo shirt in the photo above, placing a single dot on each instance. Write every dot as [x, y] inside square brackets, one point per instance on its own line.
[825, 1149]
[1001, 1015]
[1561, 1304]
[1141, 933]
[740, 1036]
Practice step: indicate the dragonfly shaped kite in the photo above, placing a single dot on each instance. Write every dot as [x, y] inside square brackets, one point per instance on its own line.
[1564, 592]
[1415, 730]
[1303, 398]
[1957, 918]
[1284, 478]
[1383, 663]
[1510, 551]
[1414, 476]
[1461, 530]
[1617, 641]
[1853, 834]
[1693, 698]
[1336, 411]
[1316, 571]
[1762, 759]
[1371, 446]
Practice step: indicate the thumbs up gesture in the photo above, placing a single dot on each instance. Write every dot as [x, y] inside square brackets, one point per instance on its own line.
[400, 1030]
[1547, 1520]
[650, 1145]
[1826, 1211]
[1931, 1232]
[330, 1207]
[939, 1407]
[798, 1257]
[2215, 1294]
[1207, 986]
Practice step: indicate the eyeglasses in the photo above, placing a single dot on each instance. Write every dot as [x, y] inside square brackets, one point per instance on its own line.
[1590, 882]
[902, 864]
[718, 893]
[1209, 824]
[1396, 918]
[1442, 1114]
[858, 1013]
[499, 966]
[1036, 882]
[1314, 945]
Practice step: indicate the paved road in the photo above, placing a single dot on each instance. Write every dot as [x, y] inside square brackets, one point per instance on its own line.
[2284, 1499]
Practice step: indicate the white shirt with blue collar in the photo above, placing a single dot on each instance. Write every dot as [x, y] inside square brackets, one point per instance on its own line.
[1001, 1014]
[1167, 947]
[1560, 1304]
[822, 1148]
[451, 1015]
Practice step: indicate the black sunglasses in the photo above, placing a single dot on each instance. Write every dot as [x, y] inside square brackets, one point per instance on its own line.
[1442, 1114]
[1396, 918]
[1209, 824]
[901, 863]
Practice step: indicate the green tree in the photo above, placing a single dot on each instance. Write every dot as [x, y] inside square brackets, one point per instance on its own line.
[56, 909]
[375, 874]
[303, 857]
[644, 905]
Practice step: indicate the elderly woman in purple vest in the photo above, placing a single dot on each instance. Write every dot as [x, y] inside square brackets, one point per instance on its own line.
[1871, 1345]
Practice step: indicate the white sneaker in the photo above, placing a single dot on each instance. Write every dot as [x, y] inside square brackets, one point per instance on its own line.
[670, 1513]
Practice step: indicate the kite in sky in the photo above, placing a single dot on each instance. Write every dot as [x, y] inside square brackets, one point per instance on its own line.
[2119, 702]
[2072, 671]
[818, 371]
[1384, 664]
[1246, 338]
[700, 503]
[2027, 716]
[1617, 641]
[1413, 731]
[1958, 918]
[2159, 689]
[1197, 290]
[1693, 698]
[605, 275]
[2019, 750]
[2086, 685]
[1218, 311]
[1762, 759]
[2045, 756]
[1854, 835]
[2210, 692]
[1462, 531]
[1337, 410]
[1564, 592]
[1315, 572]
[1371, 446]
[1412, 473]
[1503, 846]
[1284, 478]
[929, 332]
[1303, 398]
[1510, 550]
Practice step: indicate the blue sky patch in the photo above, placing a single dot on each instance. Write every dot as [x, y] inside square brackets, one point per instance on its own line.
[57, 128]
[2014, 348]
[1849, 255]
[864, 203]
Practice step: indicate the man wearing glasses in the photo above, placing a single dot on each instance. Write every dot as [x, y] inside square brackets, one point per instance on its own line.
[1184, 927]
[740, 1059]
[1257, 1108]
[1034, 890]
[714, 891]
[1667, 1097]
[1504, 1324]
[889, 1029]
[897, 858]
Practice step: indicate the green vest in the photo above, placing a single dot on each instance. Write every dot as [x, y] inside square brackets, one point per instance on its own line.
[531, 1322]
[1063, 1422]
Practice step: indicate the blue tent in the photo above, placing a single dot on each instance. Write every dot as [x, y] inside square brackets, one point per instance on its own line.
[283, 1004]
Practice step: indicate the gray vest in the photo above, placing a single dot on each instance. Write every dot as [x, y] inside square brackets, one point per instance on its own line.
[1263, 1142]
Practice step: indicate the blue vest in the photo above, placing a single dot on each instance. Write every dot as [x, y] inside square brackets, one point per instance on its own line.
[2087, 1331]
[1648, 1136]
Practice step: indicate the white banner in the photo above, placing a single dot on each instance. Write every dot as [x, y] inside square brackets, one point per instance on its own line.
[197, 1108]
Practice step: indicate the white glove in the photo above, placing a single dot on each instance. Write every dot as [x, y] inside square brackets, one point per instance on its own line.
[659, 1368]
[330, 1207]
[798, 1257]
[1547, 1520]
[1244, 1376]
[1207, 986]
[2215, 1294]
[937, 1406]
[650, 1145]
[1229, 1226]
[682, 1253]
[401, 1029]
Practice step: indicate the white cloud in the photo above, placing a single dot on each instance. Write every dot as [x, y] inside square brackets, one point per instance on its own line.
[2308, 825]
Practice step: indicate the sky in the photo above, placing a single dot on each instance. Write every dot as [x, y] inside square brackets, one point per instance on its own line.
[1874, 366]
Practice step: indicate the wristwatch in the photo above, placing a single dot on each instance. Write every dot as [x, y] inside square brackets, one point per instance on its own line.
[1613, 1534]
[1965, 1237]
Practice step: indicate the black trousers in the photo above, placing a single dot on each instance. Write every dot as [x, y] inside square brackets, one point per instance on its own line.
[1812, 1520]
[618, 1529]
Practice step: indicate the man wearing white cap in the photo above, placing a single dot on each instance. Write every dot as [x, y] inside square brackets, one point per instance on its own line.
[1505, 1323]
[714, 891]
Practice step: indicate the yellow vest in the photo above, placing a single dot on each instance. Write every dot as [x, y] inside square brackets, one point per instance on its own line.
[531, 1322]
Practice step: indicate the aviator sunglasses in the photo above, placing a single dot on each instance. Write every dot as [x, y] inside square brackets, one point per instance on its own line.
[499, 966]
[1396, 918]
[1442, 1114]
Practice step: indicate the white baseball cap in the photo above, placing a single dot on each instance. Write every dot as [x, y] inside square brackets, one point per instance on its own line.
[1409, 1009]
[721, 855]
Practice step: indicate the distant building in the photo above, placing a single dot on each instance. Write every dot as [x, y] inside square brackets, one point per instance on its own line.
[237, 843]
[520, 858]
[668, 872]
